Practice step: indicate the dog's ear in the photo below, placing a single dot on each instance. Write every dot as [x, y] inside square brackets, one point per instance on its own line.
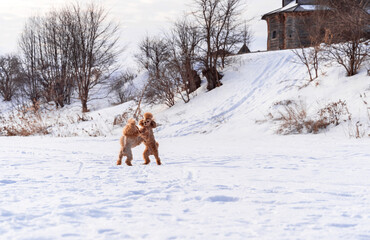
[141, 122]
[153, 124]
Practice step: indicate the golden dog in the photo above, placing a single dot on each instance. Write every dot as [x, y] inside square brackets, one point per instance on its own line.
[130, 139]
[146, 133]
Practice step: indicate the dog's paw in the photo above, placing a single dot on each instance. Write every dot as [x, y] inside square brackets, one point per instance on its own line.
[128, 163]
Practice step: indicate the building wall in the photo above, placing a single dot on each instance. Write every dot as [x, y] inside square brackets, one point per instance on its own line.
[276, 32]
[287, 31]
[296, 30]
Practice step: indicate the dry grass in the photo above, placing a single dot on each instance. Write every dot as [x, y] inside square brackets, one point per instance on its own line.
[121, 119]
[334, 112]
[359, 129]
[25, 121]
[292, 118]
[29, 121]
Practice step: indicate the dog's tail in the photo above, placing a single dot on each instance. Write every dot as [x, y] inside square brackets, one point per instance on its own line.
[131, 130]
[131, 121]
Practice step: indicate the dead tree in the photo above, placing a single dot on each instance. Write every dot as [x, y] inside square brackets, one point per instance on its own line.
[122, 86]
[94, 48]
[235, 33]
[184, 41]
[10, 76]
[310, 57]
[348, 36]
[154, 56]
[55, 58]
[28, 44]
[51, 58]
[218, 20]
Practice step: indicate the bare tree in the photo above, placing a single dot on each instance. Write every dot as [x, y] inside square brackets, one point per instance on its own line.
[122, 86]
[66, 49]
[10, 76]
[94, 48]
[184, 42]
[348, 36]
[235, 32]
[52, 60]
[154, 55]
[311, 56]
[55, 58]
[219, 21]
[29, 47]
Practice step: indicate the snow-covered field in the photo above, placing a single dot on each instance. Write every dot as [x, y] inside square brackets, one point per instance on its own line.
[289, 187]
[223, 176]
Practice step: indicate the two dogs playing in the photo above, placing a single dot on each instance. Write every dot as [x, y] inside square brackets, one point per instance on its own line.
[133, 136]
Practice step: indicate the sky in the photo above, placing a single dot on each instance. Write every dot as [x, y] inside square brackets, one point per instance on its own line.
[137, 18]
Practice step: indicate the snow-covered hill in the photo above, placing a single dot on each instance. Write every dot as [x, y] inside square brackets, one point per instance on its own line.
[253, 89]
[225, 173]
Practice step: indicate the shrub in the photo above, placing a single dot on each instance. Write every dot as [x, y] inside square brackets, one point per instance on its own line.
[335, 112]
[293, 118]
[24, 122]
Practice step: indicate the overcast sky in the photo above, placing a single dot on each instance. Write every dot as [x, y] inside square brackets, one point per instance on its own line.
[136, 17]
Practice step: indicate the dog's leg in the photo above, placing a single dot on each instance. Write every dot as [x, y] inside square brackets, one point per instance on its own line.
[156, 155]
[119, 161]
[129, 157]
[121, 151]
[157, 159]
[146, 156]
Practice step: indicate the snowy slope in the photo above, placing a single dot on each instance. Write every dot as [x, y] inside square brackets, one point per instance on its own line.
[223, 175]
[251, 87]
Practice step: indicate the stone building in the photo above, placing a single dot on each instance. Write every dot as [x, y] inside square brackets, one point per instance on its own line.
[287, 25]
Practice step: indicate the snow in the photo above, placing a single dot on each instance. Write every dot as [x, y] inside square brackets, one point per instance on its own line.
[275, 188]
[309, 7]
[290, 5]
[223, 175]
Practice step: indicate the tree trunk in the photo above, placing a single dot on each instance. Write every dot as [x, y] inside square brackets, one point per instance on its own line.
[194, 81]
[213, 78]
[84, 105]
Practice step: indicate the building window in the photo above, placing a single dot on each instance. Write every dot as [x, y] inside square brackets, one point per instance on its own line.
[273, 34]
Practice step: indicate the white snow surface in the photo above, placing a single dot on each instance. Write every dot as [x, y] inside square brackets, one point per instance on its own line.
[223, 176]
[281, 187]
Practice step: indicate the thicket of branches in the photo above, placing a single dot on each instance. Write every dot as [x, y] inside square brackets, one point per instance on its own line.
[10, 76]
[339, 31]
[349, 33]
[67, 51]
[198, 43]
[170, 60]
[222, 30]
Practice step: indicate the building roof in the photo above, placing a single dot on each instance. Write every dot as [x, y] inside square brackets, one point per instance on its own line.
[244, 49]
[292, 7]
